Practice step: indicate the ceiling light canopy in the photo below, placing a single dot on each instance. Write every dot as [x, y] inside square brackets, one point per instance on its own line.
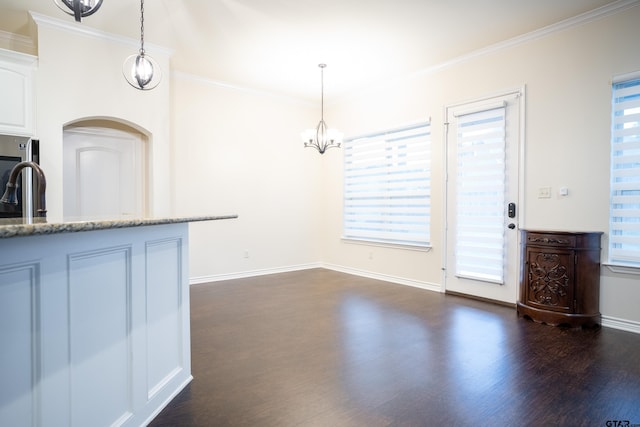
[79, 8]
[142, 71]
[321, 138]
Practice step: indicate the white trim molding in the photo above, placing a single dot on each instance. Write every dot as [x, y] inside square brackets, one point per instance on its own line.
[251, 273]
[17, 42]
[84, 30]
[356, 272]
[373, 243]
[623, 269]
[24, 59]
[386, 278]
[621, 324]
[583, 18]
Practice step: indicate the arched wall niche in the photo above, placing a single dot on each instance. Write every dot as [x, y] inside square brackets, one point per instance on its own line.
[106, 168]
[108, 123]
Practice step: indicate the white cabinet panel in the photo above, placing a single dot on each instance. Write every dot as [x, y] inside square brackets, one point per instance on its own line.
[19, 368]
[12, 87]
[164, 313]
[100, 336]
[16, 86]
[94, 331]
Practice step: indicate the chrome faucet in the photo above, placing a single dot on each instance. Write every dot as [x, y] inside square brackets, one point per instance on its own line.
[10, 195]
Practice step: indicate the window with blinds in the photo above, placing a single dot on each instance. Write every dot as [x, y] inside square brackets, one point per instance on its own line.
[387, 186]
[480, 195]
[624, 218]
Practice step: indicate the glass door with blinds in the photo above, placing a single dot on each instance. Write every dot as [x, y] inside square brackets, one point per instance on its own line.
[483, 145]
[624, 218]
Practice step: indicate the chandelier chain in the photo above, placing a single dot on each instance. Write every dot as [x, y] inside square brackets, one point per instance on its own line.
[322, 91]
[141, 27]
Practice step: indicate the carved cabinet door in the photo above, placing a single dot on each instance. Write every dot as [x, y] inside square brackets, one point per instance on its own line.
[549, 281]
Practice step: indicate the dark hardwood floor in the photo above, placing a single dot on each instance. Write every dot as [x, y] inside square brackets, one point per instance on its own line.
[323, 348]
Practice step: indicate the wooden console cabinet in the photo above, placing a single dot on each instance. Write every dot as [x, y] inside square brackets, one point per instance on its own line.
[560, 277]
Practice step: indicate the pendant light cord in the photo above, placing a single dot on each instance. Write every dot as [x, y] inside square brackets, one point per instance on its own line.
[322, 91]
[142, 27]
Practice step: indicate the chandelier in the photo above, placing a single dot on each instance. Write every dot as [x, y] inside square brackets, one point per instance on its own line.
[79, 8]
[321, 138]
[141, 71]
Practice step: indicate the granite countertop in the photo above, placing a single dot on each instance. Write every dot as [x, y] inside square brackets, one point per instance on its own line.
[16, 227]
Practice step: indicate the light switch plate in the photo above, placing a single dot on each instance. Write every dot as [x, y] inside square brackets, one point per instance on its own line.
[544, 192]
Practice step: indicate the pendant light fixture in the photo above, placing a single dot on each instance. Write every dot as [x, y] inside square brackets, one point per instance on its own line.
[141, 71]
[79, 8]
[321, 138]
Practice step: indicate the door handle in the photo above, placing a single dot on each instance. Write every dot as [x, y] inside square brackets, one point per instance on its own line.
[511, 210]
[511, 226]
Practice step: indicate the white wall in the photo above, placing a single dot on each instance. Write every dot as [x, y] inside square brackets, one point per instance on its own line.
[239, 152]
[567, 75]
[213, 150]
[80, 76]
[219, 150]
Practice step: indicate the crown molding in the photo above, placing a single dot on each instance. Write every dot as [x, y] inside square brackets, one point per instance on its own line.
[84, 30]
[17, 42]
[19, 57]
[584, 18]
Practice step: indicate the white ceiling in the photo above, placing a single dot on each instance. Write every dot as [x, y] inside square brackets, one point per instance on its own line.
[276, 45]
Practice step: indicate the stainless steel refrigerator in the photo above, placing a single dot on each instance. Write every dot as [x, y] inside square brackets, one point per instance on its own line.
[14, 150]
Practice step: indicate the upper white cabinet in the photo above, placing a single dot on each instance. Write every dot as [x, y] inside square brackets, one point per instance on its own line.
[17, 109]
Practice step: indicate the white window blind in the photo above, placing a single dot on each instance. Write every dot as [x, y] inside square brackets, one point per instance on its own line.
[624, 227]
[480, 195]
[387, 186]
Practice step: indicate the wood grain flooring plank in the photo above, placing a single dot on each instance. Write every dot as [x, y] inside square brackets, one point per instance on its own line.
[323, 348]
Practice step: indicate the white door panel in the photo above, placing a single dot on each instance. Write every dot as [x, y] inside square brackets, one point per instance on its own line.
[483, 151]
[103, 173]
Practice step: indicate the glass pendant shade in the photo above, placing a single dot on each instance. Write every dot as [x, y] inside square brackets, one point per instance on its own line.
[79, 8]
[141, 71]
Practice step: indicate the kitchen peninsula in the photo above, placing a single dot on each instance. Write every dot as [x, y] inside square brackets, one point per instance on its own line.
[94, 320]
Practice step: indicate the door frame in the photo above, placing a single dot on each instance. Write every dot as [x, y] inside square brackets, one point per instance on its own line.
[520, 93]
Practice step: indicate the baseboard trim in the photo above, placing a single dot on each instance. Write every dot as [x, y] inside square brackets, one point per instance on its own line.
[384, 277]
[607, 321]
[251, 273]
[622, 324]
[356, 272]
[168, 400]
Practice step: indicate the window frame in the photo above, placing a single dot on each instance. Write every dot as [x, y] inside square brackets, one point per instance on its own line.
[616, 265]
[388, 135]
